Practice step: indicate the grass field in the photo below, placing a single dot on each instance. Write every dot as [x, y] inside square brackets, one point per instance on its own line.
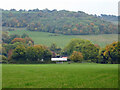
[60, 76]
[62, 40]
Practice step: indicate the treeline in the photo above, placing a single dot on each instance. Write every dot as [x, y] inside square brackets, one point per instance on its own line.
[109, 17]
[53, 21]
[21, 49]
[79, 50]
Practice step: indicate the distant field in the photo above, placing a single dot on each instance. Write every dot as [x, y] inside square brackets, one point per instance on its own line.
[60, 76]
[63, 40]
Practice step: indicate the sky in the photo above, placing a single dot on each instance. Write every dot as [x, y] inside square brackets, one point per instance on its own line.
[89, 6]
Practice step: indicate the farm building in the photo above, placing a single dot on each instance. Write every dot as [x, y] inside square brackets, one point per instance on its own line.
[59, 60]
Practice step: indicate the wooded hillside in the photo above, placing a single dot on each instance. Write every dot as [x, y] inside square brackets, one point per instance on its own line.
[62, 22]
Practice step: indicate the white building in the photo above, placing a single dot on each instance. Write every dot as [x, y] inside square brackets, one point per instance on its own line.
[59, 59]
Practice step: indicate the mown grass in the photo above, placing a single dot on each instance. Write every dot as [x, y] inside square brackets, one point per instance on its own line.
[0, 76]
[62, 40]
[60, 76]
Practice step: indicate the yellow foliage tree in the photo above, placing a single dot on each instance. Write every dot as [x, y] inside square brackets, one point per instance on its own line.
[112, 52]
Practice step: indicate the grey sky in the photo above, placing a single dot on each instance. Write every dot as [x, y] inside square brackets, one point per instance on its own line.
[89, 6]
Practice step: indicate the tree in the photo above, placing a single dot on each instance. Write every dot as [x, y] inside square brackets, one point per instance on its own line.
[5, 37]
[12, 9]
[64, 22]
[29, 41]
[54, 48]
[18, 40]
[14, 36]
[72, 46]
[19, 53]
[42, 52]
[10, 52]
[47, 54]
[38, 52]
[0, 49]
[24, 35]
[101, 57]
[3, 59]
[76, 56]
[88, 50]
[7, 47]
[3, 51]
[31, 54]
[112, 52]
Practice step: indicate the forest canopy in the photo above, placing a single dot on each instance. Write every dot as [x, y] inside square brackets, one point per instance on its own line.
[61, 22]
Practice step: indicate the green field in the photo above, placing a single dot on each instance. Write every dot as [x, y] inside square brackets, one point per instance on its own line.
[63, 40]
[60, 76]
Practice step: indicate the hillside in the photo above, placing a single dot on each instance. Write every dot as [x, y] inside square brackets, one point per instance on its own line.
[61, 22]
[47, 39]
[110, 18]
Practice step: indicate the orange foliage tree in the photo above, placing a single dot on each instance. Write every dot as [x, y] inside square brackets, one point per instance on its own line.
[18, 40]
[76, 56]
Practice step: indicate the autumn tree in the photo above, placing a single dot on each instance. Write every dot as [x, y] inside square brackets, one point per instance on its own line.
[3, 51]
[12, 36]
[3, 59]
[0, 49]
[19, 53]
[54, 48]
[72, 46]
[7, 47]
[18, 40]
[88, 50]
[63, 22]
[38, 52]
[76, 56]
[112, 52]
[29, 41]
[5, 37]
[10, 52]
[31, 54]
[101, 57]
[24, 35]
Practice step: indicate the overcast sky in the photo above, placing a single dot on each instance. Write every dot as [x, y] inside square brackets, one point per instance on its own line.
[89, 6]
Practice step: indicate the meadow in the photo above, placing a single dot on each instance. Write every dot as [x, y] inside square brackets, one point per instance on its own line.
[62, 40]
[65, 75]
